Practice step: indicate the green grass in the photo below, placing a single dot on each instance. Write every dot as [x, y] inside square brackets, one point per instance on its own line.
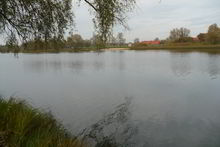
[87, 49]
[174, 47]
[182, 48]
[68, 50]
[23, 126]
[60, 51]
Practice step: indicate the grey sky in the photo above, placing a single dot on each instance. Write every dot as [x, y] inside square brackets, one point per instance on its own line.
[153, 18]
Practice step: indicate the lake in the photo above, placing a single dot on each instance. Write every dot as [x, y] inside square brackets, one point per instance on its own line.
[131, 98]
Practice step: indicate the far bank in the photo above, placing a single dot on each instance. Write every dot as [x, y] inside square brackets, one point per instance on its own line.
[175, 48]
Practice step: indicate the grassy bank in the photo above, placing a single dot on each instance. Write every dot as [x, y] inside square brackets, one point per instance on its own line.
[23, 126]
[181, 48]
[62, 50]
[169, 47]
[5, 50]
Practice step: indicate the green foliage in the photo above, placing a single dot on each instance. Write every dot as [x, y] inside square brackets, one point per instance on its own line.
[108, 13]
[76, 41]
[181, 47]
[23, 126]
[39, 44]
[12, 43]
[213, 35]
[46, 19]
[35, 18]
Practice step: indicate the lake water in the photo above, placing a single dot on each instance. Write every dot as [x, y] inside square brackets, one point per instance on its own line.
[131, 98]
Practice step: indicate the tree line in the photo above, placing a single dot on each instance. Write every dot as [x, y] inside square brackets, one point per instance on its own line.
[212, 36]
[49, 20]
[73, 41]
[182, 35]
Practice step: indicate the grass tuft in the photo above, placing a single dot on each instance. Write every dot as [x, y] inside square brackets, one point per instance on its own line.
[23, 126]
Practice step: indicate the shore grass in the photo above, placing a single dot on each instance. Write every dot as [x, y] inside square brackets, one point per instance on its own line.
[207, 48]
[23, 126]
[181, 48]
[62, 50]
[35, 51]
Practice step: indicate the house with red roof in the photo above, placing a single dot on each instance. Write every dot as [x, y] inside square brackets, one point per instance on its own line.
[150, 42]
[196, 39]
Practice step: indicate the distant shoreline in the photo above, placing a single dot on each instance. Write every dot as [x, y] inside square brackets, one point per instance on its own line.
[186, 48]
[116, 49]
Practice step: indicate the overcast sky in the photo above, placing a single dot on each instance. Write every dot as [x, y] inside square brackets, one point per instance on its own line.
[153, 18]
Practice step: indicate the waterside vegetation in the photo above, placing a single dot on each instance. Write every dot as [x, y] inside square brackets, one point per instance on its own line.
[73, 43]
[180, 40]
[22, 125]
[208, 48]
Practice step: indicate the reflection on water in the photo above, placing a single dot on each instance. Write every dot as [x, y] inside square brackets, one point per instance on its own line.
[76, 64]
[214, 65]
[118, 129]
[175, 96]
[54, 65]
[180, 63]
[114, 129]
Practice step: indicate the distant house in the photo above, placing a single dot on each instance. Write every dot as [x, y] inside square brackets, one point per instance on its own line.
[150, 42]
[130, 44]
[196, 39]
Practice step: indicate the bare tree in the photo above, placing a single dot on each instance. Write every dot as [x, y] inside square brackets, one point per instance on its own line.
[136, 40]
[156, 39]
[176, 34]
[120, 38]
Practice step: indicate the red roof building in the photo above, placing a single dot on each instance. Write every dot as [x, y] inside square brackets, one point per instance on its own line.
[150, 42]
[195, 38]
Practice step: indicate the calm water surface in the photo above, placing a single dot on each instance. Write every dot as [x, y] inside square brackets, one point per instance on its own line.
[133, 98]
